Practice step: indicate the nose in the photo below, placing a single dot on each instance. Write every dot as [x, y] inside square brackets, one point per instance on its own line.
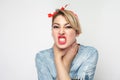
[61, 31]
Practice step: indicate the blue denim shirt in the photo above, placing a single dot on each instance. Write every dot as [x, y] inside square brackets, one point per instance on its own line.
[82, 68]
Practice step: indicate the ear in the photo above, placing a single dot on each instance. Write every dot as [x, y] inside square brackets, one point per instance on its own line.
[77, 34]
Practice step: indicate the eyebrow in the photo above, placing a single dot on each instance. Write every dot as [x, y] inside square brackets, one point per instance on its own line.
[59, 24]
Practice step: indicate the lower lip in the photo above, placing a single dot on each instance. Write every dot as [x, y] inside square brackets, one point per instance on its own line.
[61, 43]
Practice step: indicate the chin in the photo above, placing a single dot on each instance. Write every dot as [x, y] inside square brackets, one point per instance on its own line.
[62, 46]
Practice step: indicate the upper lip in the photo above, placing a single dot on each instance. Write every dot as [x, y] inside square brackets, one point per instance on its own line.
[61, 37]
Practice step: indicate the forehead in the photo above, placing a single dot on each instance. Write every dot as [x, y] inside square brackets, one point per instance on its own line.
[60, 19]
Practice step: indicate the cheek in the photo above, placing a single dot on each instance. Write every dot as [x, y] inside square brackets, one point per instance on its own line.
[72, 35]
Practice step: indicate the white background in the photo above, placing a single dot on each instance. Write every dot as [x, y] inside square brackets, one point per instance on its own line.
[25, 29]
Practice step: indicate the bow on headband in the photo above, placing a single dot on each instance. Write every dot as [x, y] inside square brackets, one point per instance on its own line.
[62, 8]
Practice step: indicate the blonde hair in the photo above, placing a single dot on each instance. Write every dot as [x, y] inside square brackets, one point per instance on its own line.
[70, 17]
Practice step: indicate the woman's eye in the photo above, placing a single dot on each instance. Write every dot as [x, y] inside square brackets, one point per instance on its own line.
[55, 26]
[68, 27]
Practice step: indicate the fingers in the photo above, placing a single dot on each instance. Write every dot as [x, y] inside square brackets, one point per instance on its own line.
[58, 52]
[71, 53]
[74, 48]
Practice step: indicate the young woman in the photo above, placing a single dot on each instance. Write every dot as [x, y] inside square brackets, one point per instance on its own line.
[66, 59]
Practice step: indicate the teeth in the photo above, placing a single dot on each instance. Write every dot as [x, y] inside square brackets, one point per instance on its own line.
[62, 39]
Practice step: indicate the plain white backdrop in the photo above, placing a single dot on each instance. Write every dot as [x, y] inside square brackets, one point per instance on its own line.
[25, 29]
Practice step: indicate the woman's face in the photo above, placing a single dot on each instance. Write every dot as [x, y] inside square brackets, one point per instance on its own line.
[63, 33]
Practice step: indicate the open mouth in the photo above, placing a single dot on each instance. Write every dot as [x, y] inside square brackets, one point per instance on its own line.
[61, 40]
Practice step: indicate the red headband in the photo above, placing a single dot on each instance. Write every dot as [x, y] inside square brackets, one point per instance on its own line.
[62, 8]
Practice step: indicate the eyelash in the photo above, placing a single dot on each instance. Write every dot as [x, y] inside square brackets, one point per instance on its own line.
[65, 27]
[55, 26]
[68, 27]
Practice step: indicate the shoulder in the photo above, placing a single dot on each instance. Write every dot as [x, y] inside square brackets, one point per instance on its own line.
[44, 54]
[88, 54]
[88, 51]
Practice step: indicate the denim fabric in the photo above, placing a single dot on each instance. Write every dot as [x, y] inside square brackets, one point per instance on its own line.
[82, 68]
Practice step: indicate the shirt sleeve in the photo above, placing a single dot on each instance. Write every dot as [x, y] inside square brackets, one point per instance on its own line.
[90, 66]
[42, 70]
[87, 69]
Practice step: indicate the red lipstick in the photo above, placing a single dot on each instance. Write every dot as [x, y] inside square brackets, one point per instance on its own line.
[61, 40]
